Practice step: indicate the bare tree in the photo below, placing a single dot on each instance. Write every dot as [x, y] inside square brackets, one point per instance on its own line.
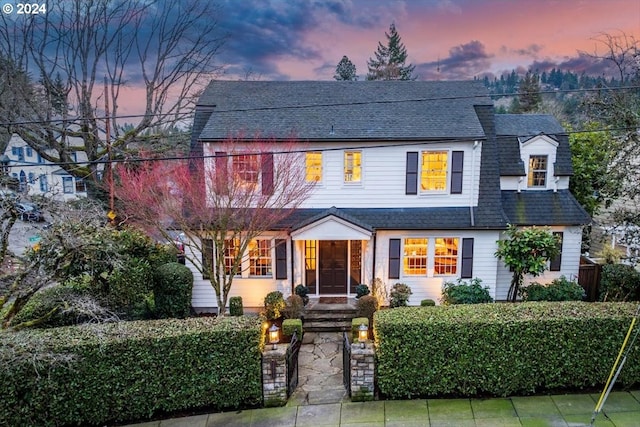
[85, 53]
[221, 204]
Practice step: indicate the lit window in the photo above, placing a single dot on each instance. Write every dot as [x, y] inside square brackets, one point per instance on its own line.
[310, 254]
[67, 185]
[313, 160]
[537, 171]
[260, 257]
[415, 256]
[231, 248]
[352, 166]
[433, 172]
[446, 255]
[245, 168]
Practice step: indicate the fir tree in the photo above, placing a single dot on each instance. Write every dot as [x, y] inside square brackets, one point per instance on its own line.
[389, 62]
[529, 93]
[345, 70]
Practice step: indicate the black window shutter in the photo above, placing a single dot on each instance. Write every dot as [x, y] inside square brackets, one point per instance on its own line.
[394, 258]
[267, 174]
[457, 162]
[411, 186]
[556, 263]
[207, 258]
[221, 172]
[281, 259]
[467, 259]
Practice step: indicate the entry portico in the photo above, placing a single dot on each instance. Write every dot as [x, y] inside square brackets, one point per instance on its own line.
[329, 252]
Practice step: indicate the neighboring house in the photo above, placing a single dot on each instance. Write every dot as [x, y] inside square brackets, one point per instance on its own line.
[415, 183]
[38, 176]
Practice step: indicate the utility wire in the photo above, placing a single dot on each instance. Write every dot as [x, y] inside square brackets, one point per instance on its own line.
[335, 104]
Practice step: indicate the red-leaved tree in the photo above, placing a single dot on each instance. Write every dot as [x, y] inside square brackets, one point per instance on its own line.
[220, 202]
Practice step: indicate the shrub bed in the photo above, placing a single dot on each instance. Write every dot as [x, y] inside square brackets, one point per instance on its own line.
[501, 349]
[97, 374]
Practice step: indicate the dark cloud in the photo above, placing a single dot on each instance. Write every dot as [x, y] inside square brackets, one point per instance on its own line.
[531, 50]
[464, 62]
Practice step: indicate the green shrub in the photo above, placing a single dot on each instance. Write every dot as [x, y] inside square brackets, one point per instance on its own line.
[172, 291]
[619, 282]
[51, 307]
[303, 291]
[366, 306]
[235, 306]
[120, 372]
[559, 289]
[399, 295]
[462, 292]
[501, 349]
[128, 287]
[362, 290]
[289, 326]
[294, 306]
[274, 305]
[427, 303]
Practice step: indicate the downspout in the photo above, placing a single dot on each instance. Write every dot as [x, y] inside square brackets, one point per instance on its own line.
[293, 291]
[373, 260]
[473, 180]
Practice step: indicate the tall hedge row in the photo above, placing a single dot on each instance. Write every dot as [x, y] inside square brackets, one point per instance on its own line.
[501, 349]
[94, 374]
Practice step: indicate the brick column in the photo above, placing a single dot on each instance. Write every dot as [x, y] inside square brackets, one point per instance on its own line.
[362, 372]
[274, 376]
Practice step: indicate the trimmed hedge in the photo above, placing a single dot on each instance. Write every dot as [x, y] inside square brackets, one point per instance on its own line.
[172, 291]
[97, 374]
[501, 349]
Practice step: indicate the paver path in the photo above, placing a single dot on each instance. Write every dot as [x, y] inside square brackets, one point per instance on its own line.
[319, 370]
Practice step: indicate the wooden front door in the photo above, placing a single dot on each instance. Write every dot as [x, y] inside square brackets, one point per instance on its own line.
[332, 260]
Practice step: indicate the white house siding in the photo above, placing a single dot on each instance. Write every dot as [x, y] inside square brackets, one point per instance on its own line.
[251, 289]
[383, 176]
[569, 266]
[541, 145]
[430, 286]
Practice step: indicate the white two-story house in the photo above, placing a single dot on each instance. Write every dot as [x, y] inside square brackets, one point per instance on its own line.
[415, 182]
[38, 176]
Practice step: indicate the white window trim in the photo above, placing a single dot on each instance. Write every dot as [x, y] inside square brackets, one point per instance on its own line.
[447, 179]
[353, 183]
[431, 256]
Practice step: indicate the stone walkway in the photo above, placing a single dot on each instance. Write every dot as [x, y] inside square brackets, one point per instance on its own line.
[319, 370]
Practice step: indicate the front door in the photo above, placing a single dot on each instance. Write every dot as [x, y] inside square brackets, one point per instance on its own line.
[332, 259]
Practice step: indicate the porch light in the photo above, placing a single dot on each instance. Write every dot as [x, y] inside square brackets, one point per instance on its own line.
[363, 334]
[273, 335]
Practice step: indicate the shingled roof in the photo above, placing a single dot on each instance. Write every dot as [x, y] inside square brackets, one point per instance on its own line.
[543, 208]
[512, 129]
[340, 111]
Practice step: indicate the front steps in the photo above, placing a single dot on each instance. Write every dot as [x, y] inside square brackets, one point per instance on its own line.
[319, 317]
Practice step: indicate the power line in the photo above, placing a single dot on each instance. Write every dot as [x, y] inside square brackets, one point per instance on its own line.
[297, 151]
[330, 104]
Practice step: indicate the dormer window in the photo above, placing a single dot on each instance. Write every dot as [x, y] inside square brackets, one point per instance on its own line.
[537, 171]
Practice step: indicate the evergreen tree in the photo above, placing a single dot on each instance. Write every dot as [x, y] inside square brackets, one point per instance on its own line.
[345, 70]
[389, 62]
[529, 93]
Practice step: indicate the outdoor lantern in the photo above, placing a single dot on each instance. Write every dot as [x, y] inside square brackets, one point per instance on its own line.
[363, 334]
[273, 335]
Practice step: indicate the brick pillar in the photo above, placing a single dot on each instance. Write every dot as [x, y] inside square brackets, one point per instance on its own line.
[274, 376]
[362, 372]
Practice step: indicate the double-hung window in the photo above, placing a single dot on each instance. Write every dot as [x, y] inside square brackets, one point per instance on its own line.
[44, 186]
[445, 259]
[231, 248]
[537, 171]
[246, 169]
[313, 162]
[260, 257]
[352, 166]
[433, 171]
[415, 256]
[67, 185]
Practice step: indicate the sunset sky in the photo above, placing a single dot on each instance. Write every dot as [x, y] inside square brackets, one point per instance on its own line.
[305, 40]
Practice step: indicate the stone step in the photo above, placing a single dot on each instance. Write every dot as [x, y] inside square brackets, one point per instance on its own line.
[329, 315]
[326, 326]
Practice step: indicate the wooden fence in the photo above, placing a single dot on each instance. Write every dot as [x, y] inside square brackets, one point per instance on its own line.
[589, 278]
